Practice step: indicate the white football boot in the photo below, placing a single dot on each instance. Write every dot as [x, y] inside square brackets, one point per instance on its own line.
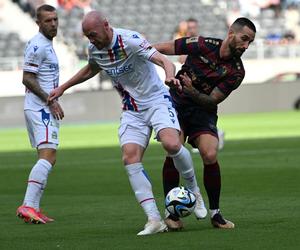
[200, 209]
[153, 227]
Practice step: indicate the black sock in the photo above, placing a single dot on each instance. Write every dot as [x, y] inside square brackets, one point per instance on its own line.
[212, 183]
[170, 175]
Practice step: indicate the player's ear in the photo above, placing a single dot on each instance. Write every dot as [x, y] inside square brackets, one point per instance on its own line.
[231, 33]
[106, 24]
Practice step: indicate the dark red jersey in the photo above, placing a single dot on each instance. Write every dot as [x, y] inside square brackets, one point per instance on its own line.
[205, 67]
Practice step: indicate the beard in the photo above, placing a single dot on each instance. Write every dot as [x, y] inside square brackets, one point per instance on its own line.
[237, 52]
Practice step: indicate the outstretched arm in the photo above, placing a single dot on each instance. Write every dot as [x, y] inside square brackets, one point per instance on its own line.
[82, 75]
[169, 68]
[167, 48]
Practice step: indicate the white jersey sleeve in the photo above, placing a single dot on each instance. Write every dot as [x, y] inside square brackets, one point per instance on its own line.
[140, 46]
[33, 57]
[40, 58]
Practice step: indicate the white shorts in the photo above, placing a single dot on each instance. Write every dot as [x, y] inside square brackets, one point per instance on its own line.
[136, 127]
[42, 129]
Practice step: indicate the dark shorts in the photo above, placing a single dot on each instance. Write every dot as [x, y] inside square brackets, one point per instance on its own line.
[195, 121]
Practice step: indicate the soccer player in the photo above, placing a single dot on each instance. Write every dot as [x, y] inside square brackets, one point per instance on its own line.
[128, 59]
[40, 76]
[192, 31]
[212, 70]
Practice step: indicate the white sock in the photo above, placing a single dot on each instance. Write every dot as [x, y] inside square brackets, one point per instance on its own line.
[213, 212]
[142, 189]
[36, 183]
[184, 164]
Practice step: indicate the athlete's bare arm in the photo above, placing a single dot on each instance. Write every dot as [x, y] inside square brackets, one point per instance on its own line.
[31, 83]
[209, 102]
[169, 68]
[82, 75]
[167, 48]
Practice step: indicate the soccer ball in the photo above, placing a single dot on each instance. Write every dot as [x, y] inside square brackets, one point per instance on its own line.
[180, 202]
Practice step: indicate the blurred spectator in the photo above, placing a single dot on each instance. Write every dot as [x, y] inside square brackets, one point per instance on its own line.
[181, 30]
[249, 8]
[287, 3]
[292, 21]
[192, 29]
[70, 4]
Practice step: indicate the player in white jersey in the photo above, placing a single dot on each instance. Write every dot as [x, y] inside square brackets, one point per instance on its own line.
[128, 59]
[40, 76]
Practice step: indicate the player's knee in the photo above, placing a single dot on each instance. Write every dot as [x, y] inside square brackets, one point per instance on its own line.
[130, 158]
[172, 147]
[209, 156]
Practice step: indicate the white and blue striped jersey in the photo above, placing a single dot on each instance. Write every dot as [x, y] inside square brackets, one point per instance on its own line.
[40, 59]
[127, 61]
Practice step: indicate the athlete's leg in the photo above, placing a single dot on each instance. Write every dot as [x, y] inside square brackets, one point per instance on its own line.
[142, 188]
[43, 133]
[134, 134]
[170, 140]
[170, 173]
[38, 178]
[208, 148]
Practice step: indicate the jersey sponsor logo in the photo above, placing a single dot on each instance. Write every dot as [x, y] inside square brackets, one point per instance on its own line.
[35, 48]
[144, 44]
[117, 71]
[135, 36]
[191, 40]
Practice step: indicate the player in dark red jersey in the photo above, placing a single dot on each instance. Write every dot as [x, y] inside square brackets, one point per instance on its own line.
[212, 70]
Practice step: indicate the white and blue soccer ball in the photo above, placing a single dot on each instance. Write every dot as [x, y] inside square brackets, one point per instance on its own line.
[180, 202]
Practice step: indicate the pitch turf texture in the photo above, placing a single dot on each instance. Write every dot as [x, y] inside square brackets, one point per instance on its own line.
[89, 195]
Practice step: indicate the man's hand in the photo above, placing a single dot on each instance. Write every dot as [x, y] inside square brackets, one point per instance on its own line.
[207, 102]
[187, 83]
[56, 110]
[54, 94]
[173, 83]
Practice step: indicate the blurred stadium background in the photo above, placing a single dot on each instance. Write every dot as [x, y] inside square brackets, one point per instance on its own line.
[272, 62]
[95, 210]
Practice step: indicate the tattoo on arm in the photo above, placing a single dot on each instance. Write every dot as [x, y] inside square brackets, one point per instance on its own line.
[30, 81]
[205, 101]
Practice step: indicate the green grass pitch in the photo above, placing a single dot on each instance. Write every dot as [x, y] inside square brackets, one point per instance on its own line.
[88, 192]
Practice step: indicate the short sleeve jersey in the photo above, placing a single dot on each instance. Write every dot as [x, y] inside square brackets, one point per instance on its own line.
[127, 61]
[205, 67]
[40, 59]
